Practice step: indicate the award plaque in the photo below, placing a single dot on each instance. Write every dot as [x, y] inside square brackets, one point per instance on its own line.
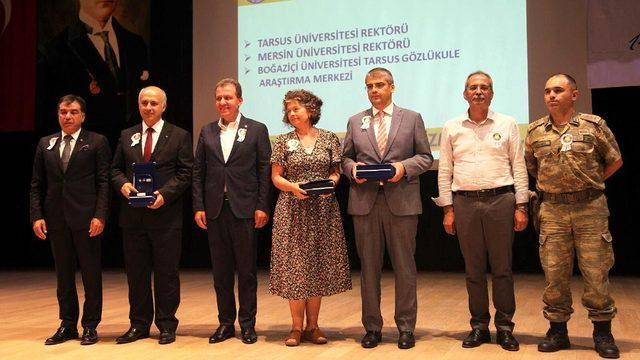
[375, 172]
[144, 182]
[318, 187]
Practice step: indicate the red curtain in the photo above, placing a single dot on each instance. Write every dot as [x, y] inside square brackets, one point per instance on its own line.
[18, 18]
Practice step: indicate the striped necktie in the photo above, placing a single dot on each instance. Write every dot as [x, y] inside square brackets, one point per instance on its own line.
[381, 136]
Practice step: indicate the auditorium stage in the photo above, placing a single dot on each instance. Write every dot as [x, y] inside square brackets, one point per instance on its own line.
[29, 314]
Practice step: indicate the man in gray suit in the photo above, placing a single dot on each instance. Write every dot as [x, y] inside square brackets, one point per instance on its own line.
[386, 212]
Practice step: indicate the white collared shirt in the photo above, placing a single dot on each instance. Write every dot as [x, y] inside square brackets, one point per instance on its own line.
[157, 128]
[228, 135]
[95, 37]
[72, 143]
[388, 114]
[480, 156]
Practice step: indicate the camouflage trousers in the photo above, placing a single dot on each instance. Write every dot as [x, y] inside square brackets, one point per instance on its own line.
[580, 229]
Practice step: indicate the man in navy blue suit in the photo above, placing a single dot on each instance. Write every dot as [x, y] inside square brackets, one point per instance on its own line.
[231, 185]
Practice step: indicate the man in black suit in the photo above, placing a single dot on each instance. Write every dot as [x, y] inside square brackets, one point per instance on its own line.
[98, 59]
[69, 204]
[231, 185]
[152, 235]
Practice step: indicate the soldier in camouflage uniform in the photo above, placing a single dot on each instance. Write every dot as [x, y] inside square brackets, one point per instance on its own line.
[571, 154]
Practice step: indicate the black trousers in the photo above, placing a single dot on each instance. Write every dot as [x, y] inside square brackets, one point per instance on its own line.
[232, 243]
[66, 244]
[156, 250]
[485, 231]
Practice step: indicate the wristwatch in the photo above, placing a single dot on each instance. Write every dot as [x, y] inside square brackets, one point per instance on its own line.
[523, 207]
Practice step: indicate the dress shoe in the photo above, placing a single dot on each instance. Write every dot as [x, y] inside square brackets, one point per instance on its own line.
[603, 340]
[406, 340]
[89, 336]
[557, 338]
[223, 332]
[132, 335]
[249, 335]
[62, 334]
[476, 338]
[508, 342]
[315, 336]
[167, 336]
[371, 339]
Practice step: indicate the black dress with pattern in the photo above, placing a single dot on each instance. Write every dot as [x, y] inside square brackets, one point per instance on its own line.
[309, 252]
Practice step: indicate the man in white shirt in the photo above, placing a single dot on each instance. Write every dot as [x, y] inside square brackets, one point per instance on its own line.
[231, 186]
[483, 185]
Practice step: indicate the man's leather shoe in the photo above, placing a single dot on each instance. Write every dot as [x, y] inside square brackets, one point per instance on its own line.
[89, 336]
[132, 335]
[249, 335]
[508, 342]
[371, 339]
[167, 336]
[406, 340]
[223, 332]
[557, 338]
[476, 338]
[62, 334]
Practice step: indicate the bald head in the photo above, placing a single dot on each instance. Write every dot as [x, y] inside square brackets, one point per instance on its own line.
[152, 101]
[153, 89]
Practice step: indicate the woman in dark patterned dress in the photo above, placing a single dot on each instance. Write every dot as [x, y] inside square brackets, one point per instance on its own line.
[309, 254]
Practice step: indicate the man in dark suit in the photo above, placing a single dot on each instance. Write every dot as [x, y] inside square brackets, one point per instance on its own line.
[100, 60]
[386, 212]
[231, 185]
[69, 204]
[152, 235]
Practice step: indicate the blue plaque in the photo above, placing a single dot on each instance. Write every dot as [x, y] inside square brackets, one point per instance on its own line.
[375, 172]
[144, 181]
[318, 187]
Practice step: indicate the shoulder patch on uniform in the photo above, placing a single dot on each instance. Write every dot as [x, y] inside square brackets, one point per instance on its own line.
[536, 123]
[591, 118]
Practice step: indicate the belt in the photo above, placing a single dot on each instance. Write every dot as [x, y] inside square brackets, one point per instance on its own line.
[486, 192]
[571, 197]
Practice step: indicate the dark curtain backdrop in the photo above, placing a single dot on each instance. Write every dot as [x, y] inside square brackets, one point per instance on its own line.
[170, 47]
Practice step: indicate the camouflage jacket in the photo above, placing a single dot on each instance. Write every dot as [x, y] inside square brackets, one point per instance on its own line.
[570, 159]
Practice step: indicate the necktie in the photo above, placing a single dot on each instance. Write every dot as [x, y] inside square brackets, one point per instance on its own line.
[109, 55]
[66, 152]
[147, 145]
[381, 136]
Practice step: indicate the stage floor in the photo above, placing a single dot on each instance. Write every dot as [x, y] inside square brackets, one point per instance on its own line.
[29, 314]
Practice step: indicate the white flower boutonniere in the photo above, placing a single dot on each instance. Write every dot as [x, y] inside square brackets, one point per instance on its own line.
[135, 139]
[366, 121]
[52, 142]
[241, 134]
[293, 144]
